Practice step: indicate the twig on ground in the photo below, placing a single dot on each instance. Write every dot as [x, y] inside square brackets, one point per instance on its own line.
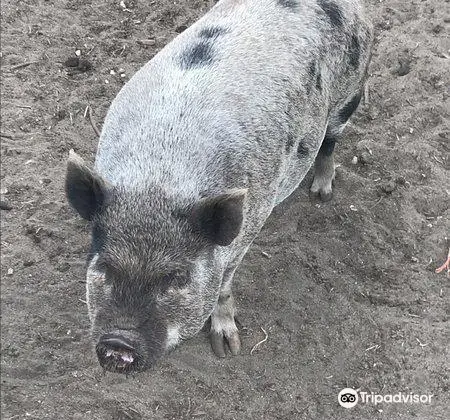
[19, 66]
[265, 254]
[375, 346]
[420, 343]
[444, 266]
[91, 120]
[262, 341]
[146, 42]
[376, 204]
[188, 412]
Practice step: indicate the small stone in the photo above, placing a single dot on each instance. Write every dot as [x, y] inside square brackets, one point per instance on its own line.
[4, 205]
[4, 190]
[365, 158]
[78, 53]
[60, 114]
[353, 208]
[180, 29]
[10, 271]
[63, 267]
[355, 160]
[112, 72]
[388, 187]
[28, 263]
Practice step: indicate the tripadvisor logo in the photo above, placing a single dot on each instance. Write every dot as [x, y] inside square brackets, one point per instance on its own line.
[348, 398]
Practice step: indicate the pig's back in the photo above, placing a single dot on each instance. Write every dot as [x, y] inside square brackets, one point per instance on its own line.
[217, 107]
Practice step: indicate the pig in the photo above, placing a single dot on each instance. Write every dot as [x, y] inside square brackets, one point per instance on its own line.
[196, 150]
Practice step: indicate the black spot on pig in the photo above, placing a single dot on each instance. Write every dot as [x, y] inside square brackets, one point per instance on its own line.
[346, 112]
[312, 69]
[319, 81]
[354, 51]
[302, 151]
[315, 75]
[290, 142]
[212, 32]
[333, 11]
[288, 4]
[196, 56]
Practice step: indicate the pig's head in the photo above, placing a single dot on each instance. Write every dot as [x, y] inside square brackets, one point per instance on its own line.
[154, 270]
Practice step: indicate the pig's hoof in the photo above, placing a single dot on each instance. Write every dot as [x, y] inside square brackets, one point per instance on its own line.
[321, 190]
[219, 341]
[323, 195]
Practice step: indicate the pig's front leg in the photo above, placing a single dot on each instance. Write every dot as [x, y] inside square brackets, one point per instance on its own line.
[223, 326]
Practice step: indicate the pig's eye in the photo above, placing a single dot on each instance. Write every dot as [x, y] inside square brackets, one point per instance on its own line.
[175, 279]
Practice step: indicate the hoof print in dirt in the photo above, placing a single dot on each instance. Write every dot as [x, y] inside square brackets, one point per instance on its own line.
[78, 65]
[72, 62]
[404, 67]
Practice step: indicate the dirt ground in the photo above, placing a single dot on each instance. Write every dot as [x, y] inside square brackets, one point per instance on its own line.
[346, 290]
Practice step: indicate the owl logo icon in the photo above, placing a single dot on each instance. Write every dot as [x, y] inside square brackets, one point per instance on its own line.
[348, 398]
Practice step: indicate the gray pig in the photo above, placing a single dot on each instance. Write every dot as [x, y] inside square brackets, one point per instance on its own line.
[195, 152]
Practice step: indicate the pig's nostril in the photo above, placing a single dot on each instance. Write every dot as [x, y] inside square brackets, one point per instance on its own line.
[116, 353]
[116, 342]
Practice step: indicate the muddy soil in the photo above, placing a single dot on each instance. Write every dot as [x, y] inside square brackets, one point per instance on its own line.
[346, 291]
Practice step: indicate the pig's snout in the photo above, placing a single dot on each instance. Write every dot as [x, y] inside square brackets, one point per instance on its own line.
[117, 353]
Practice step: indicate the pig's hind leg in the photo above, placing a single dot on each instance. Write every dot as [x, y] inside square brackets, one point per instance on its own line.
[322, 185]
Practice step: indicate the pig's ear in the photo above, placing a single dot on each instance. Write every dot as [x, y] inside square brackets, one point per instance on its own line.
[220, 218]
[85, 189]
